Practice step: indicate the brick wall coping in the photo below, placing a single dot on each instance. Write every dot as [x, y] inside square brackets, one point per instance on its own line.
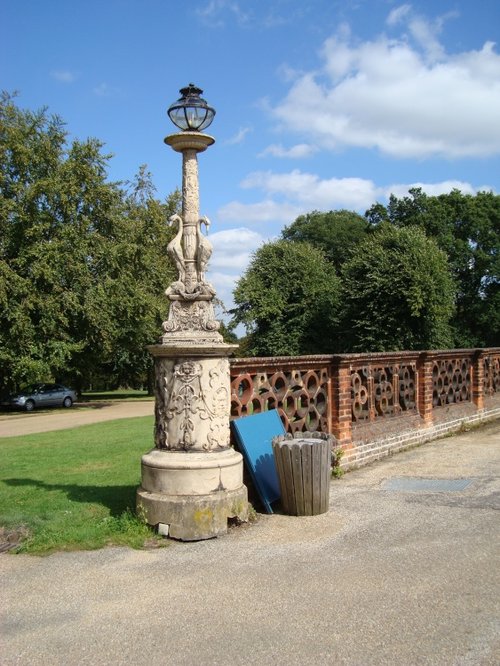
[316, 359]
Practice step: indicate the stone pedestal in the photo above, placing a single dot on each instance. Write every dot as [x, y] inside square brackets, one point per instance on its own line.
[172, 492]
[192, 481]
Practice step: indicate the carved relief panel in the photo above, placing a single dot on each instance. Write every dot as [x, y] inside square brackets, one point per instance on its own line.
[192, 404]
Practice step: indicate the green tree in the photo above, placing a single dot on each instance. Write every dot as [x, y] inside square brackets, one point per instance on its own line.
[337, 233]
[397, 293]
[83, 263]
[288, 301]
[55, 207]
[135, 273]
[467, 228]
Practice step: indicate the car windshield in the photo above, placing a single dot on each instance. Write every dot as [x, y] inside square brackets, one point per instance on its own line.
[32, 388]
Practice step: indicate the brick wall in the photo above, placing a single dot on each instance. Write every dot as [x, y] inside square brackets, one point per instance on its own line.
[374, 404]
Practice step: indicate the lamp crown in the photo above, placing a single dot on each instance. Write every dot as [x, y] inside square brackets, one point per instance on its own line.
[191, 113]
[191, 90]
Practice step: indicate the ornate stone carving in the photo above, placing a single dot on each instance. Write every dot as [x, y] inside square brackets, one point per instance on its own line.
[191, 316]
[190, 251]
[186, 400]
[203, 250]
[191, 295]
[191, 310]
[192, 404]
[192, 481]
[175, 249]
[190, 194]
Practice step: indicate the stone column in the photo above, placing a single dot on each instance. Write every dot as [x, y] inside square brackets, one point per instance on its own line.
[192, 481]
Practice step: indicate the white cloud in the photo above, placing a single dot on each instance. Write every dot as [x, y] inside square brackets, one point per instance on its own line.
[397, 14]
[63, 75]
[406, 97]
[432, 189]
[288, 195]
[224, 284]
[268, 210]
[312, 192]
[298, 151]
[216, 12]
[425, 34]
[105, 90]
[239, 137]
[233, 249]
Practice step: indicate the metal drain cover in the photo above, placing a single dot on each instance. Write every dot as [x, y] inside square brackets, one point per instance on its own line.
[418, 484]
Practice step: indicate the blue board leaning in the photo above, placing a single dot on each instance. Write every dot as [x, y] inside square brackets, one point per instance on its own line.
[254, 435]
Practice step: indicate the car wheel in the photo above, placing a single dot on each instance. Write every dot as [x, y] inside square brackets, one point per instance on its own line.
[67, 402]
[29, 405]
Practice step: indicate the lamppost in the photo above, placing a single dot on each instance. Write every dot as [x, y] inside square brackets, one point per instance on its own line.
[192, 480]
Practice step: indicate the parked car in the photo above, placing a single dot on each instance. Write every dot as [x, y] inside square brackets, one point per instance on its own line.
[41, 395]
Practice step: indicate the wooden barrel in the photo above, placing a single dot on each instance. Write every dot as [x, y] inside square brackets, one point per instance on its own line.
[304, 473]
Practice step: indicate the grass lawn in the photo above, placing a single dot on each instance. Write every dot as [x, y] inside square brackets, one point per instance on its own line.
[75, 489]
[120, 394]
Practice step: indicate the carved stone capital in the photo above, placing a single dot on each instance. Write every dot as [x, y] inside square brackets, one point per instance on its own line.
[189, 141]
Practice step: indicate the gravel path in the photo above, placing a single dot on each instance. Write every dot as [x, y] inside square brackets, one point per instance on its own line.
[81, 414]
[386, 578]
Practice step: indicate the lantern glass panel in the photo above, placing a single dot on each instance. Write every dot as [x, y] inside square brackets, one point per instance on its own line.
[191, 112]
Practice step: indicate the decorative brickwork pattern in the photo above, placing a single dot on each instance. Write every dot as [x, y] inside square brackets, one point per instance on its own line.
[300, 394]
[372, 403]
[451, 381]
[491, 365]
[378, 392]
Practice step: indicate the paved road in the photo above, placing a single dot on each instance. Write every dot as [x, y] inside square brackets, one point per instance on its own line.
[387, 577]
[20, 423]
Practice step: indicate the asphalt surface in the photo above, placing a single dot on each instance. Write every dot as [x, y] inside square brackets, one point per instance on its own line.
[388, 576]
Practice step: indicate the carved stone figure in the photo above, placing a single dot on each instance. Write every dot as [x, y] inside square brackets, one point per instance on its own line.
[174, 248]
[185, 400]
[190, 295]
[203, 251]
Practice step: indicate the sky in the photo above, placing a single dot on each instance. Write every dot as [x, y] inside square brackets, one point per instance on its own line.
[320, 104]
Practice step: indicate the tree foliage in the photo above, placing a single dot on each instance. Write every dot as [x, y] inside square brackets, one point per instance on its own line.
[421, 272]
[82, 261]
[136, 271]
[467, 229]
[337, 233]
[288, 300]
[397, 293]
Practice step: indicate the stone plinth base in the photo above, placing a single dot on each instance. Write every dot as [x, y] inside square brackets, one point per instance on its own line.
[195, 517]
[194, 493]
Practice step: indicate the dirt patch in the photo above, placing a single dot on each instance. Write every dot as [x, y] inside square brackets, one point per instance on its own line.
[11, 538]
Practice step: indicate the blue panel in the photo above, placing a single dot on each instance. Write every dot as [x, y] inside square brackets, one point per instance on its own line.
[254, 435]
